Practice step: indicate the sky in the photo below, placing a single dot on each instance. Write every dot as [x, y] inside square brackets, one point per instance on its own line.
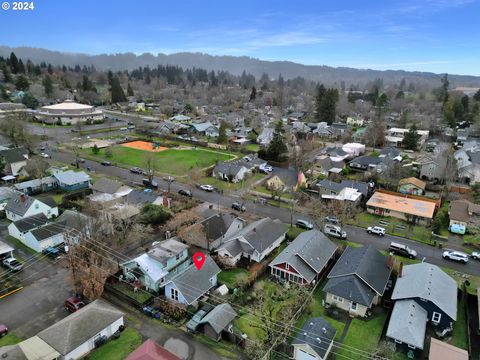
[440, 36]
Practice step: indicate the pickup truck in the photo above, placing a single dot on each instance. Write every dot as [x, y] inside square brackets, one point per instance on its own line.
[376, 230]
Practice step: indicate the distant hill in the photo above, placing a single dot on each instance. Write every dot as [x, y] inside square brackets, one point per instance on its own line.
[236, 65]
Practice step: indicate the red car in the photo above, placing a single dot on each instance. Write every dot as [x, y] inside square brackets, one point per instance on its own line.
[3, 330]
[73, 304]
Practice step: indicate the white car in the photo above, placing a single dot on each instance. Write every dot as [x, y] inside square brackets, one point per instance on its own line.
[208, 188]
[378, 230]
[12, 264]
[46, 156]
[304, 224]
[455, 256]
[475, 255]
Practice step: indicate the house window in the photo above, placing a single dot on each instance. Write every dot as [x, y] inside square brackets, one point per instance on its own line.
[436, 317]
[179, 256]
[174, 294]
[337, 298]
[287, 266]
[353, 306]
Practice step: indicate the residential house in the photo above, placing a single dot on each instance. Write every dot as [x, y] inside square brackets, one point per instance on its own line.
[254, 242]
[305, 259]
[468, 162]
[286, 179]
[323, 130]
[72, 180]
[335, 153]
[159, 264]
[141, 198]
[411, 186]
[19, 228]
[265, 137]
[423, 293]
[15, 159]
[31, 349]
[180, 118]
[368, 163]
[401, 207]
[355, 121]
[394, 136]
[354, 149]
[50, 235]
[217, 321]
[150, 350]
[358, 280]
[314, 341]
[21, 206]
[206, 129]
[188, 286]
[325, 166]
[6, 194]
[390, 153]
[463, 215]
[36, 186]
[76, 335]
[340, 128]
[347, 190]
[432, 167]
[108, 191]
[5, 250]
[440, 350]
[230, 171]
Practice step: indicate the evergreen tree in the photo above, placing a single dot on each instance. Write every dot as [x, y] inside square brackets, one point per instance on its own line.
[277, 148]
[444, 90]
[14, 63]
[21, 67]
[29, 101]
[7, 76]
[130, 90]
[48, 85]
[22, 83]
[319, 101]
[50, 69]
[117, 92]
[476, 97]
[253, 94]
[87, 85]
[465, 103]
[222, 133]
[326, 101]
[411, 138]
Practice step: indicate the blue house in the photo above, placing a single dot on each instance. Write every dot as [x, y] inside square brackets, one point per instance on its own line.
[188, 286]
[155, 267]
[72, 181]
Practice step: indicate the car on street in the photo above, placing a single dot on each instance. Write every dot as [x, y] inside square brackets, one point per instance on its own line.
[150, 184]
[377, 230]
[208, 188]
[455, 256]
[136, 170]
[44, 155]
[131, 127]
[475, 255]
[3, 330]
[304, 224]
[73, 304]
[402, 250]
[332, 219]
[106, 163]
[186, 193]
[12, 264]
[335, 231]
[238, 206]
[123, 129]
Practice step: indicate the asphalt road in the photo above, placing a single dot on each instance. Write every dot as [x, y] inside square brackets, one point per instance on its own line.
[355, 234]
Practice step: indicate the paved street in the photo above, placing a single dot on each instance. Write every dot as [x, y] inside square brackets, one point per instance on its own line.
[359, 235]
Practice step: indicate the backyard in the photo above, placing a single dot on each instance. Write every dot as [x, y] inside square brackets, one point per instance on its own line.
[233, 278]
[119, 348]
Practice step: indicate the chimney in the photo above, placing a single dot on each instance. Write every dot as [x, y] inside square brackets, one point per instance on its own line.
[22, 198]
[400, 270]
[390, 261]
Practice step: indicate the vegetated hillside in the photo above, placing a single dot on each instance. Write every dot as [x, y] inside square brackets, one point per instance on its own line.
[235, 65]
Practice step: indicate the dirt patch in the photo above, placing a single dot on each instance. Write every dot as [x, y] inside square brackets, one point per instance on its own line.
[144, 145]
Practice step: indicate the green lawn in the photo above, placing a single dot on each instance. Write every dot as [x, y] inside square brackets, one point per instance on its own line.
[119, 348]
[293, 232]
[171, 161]
[140, 296]
[459, 335]
[10, 339]
[252, 147]
[364, 334]
[233, 277]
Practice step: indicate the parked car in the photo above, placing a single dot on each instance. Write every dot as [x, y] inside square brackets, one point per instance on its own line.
[238, 206]
[185, 192]
[106, 163]
[194, 321]
[12, 264]
[260, 200]
[335, 231]
[43, 155]
[304, 224]
[3, 330]
[150, 184]
[123, 129]
[266, 169]
[136, 170]
[377, 230]
[332, 219]
[455, 256]
[208, 188]
[131, 127]
[152, 311]
[73, 304]
[475, 255]
[52, 252]
[402, 250]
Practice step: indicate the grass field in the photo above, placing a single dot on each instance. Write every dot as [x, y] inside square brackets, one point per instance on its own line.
[10, 339]
[176, 162]
[119, 348]
[459, 335]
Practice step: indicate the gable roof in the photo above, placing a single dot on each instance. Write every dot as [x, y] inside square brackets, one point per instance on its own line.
[71, 177]
[428, 281]
[139, 197]
[20, 203]
[220, 317]
[193, 283]
[150, 350]
[308, 254]
[413, 180]
[318, 334]
[74, 330]
[460, 210]
[47, 231]
[105, 185]
[366, 160]
[366, 263]
[217, 225]
[14, 155]
[35, 183]
[408, 323]
[229, 168]
[30, 222]
[350, 287]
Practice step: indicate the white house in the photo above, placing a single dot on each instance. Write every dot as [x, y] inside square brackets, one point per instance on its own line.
[19, 228]
[46, 236]
[15, 159]
[21, 206]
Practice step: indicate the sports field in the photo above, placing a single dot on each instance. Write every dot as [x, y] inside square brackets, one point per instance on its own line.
[144, 145]
[171, 161]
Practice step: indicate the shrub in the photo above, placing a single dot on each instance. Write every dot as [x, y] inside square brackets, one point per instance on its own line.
[154, 214]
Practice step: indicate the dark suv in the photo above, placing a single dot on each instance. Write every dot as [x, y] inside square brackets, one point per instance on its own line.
[73, 304]
[150, 184]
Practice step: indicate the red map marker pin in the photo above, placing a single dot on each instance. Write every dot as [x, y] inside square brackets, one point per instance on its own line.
[199, 260]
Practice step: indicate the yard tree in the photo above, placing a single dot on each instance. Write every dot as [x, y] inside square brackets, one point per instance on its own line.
[95, 149]
[150, 166]
[108, 152]
[476, 96]
[222, 133]
[375, 133]
[411, 138]
[14, 63]
[319, 99]
[22, 83]
[277, 147]
[130, 90]
[325, 104]
[253, 94]
[152, 214]
[29, 101]
[116, 91]
[48, 85]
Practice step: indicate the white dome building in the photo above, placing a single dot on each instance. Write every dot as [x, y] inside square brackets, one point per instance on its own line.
[69, 113]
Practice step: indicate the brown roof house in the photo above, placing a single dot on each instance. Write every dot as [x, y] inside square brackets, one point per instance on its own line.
[412, 186]
[464, 215]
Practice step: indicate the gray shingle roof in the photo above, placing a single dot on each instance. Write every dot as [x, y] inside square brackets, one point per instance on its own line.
[228, 168]
[31, 222]
[138, 197]
[108, 186]
[352, 288]
[408, 323]
[19, 204]
[220, 317]
[71, 177]
[217, 225]
[318, 334]
[14, 155]
[47, 231]
[307, 254]
[35, 183]
[77, 328]
[429, 282]
[193, 283]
